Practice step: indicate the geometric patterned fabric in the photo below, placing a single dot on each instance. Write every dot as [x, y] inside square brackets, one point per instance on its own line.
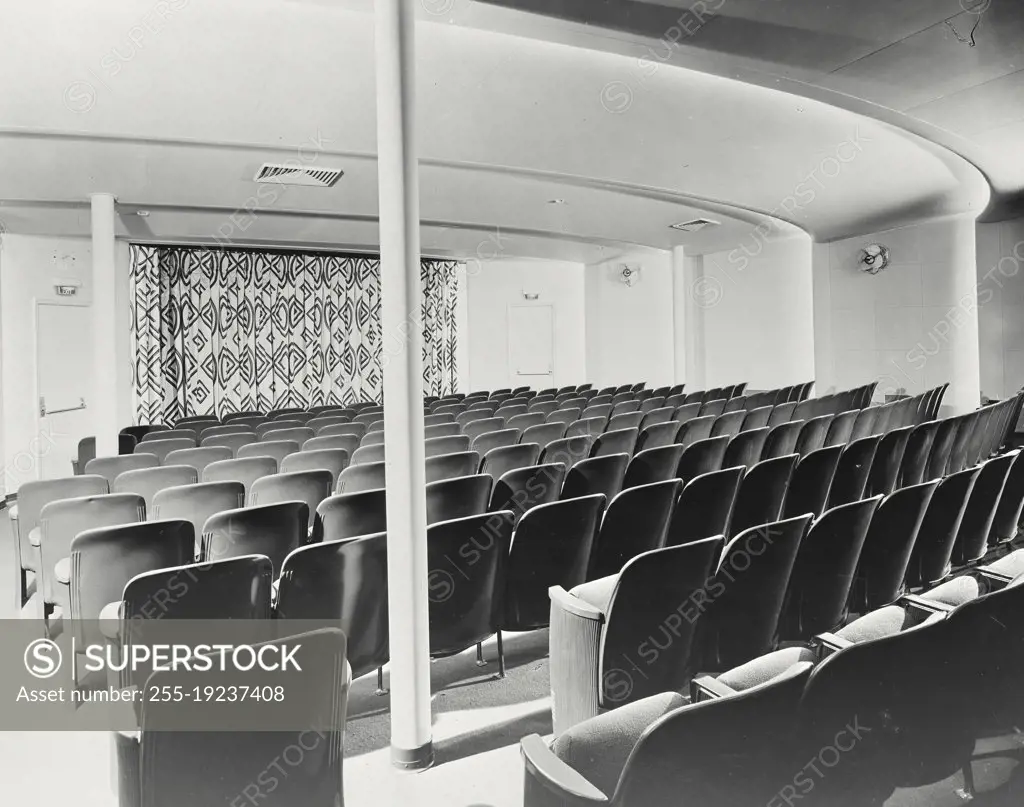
[227, 330]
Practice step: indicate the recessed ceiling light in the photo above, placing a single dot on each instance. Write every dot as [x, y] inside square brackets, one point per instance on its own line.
[142, 213]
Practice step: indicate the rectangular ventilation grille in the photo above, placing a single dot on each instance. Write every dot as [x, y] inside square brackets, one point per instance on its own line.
[298, 175]
[694, 224]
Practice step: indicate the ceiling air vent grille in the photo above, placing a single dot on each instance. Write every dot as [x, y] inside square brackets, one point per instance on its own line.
[694, 225]
[298, 175]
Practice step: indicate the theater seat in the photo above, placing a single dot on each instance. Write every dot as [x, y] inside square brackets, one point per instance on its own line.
[551, 546]
[659, 751]
[647, 615]
[310, 487]
[348, 515]
[110, 467]
[524, 488]
[105, 559]
[345, 582]
[147, 482]
[466, 611]
[32, 497]
[636, 521]
[61, 521]
[161, 768]
[195, 503]
[598, 748]
[272, 530]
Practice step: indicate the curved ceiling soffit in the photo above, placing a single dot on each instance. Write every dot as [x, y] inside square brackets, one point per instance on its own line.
[778, 226]
[962, 156]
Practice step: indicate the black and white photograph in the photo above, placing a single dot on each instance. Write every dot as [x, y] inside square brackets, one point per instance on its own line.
[512, 403]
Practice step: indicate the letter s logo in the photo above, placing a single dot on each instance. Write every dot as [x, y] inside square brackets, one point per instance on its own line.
[42, 658]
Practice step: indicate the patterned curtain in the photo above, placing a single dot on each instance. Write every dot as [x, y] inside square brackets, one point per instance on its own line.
[219, 330]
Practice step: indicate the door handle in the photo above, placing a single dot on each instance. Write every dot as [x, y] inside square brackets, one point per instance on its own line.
[44, 413]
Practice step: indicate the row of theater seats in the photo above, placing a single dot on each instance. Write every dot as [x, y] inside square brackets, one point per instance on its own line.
[878, 529]
[303, 482]
[303, 477]
[472, 610]
[636, 639]
[467, 495]
[177, 762]
[240, 429]
[202, 427]
[640, 425]
[922, 694]
[171, 490]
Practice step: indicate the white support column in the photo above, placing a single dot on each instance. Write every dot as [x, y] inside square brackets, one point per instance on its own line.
[411, 743]
[689, 302]
[104, 324]
[821, 292]
[951, 348]
[678, 315]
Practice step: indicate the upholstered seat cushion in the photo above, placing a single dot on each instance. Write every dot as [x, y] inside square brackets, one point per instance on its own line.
[956, 591]
[598, 748]
[883, 622]
[597, 593]
[763, 669]
[1012, 565]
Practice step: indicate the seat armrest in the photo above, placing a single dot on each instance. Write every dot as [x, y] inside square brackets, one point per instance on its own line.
[127, 770]
[12, 514]
[574, 605]
[62, 571]
[554, 776]
[110, 621]
[924, 606]
[708, 688]
[997, 580]
[828, 643]
[574, 641]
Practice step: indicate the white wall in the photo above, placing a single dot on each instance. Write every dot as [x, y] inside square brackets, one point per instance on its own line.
[491, 287]
[913, 325]
[758, 313]
[629, 328]
[1000, 255]
[29, 268]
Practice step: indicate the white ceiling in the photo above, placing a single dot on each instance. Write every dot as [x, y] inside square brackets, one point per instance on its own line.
[174, 115]
[908, 62]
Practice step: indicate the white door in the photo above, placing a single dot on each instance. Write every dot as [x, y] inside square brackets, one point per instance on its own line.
[64, 367]
[531, 346]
